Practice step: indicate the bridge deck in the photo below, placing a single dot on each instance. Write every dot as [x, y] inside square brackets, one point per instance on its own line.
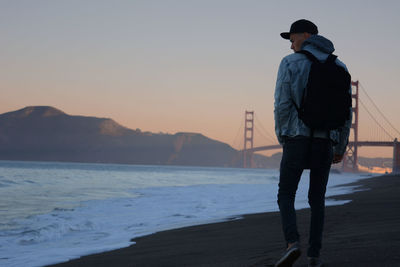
[373, 143]
[361, 143]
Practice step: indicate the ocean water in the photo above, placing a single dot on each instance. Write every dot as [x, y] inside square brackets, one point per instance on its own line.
[53, 212]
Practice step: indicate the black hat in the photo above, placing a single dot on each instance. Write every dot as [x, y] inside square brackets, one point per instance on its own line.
[300, 26]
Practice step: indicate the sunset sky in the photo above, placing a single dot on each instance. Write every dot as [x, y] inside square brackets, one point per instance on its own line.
[185, 65]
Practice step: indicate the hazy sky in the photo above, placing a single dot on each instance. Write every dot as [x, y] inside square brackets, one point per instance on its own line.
[183, 65]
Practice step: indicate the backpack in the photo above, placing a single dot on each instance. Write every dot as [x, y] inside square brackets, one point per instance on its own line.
[326, 102]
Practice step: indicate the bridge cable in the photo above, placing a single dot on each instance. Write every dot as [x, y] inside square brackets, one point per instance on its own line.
[384, 117]
[273, 138]
[237, 134]
[362, 104]
[265, 137]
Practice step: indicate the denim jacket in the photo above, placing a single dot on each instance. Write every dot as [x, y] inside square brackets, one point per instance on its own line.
[292, 79]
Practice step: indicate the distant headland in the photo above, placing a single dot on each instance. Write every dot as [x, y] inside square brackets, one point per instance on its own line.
[45, 133]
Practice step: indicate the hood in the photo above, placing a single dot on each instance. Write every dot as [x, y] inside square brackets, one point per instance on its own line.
[320, 43]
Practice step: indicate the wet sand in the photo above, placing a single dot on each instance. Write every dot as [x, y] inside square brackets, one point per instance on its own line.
[364, 232]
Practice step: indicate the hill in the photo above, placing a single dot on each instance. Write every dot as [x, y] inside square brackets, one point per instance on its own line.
[44, 133]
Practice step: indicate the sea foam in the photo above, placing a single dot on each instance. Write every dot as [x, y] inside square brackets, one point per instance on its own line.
[172, 197]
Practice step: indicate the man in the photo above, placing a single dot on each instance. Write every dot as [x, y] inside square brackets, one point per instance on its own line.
[303, 148]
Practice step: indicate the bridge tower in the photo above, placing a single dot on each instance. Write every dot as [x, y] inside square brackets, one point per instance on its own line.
[396, 157]
[350, 160]
[248, 138]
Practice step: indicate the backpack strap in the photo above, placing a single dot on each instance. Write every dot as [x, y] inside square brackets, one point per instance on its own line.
[331, 58]
[309, 55]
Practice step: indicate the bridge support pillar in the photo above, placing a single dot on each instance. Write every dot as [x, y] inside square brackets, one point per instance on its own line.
[350, 160]
[248, 139]
[350, 163]
[396, 157]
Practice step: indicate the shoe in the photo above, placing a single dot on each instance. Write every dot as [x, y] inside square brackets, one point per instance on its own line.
[314, 262]
[290, 256]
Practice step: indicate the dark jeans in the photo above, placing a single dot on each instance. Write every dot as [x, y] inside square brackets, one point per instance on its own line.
[301, 153]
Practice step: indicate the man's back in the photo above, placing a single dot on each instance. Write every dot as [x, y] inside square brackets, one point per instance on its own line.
[326, 101]
[292, 80]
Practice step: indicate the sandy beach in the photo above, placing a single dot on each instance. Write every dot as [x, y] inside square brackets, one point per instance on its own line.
[364, 232]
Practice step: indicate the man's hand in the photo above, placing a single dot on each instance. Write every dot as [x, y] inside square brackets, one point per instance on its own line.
[337, 158]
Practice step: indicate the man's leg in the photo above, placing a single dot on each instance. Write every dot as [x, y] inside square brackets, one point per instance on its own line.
[295, 154]
[321, 159]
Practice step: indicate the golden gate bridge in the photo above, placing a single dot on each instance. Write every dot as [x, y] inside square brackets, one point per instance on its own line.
[375, 126]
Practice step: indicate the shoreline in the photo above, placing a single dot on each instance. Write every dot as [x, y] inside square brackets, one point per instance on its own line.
[363, 232]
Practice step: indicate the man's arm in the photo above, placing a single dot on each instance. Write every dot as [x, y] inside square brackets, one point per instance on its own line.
[283, 101]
